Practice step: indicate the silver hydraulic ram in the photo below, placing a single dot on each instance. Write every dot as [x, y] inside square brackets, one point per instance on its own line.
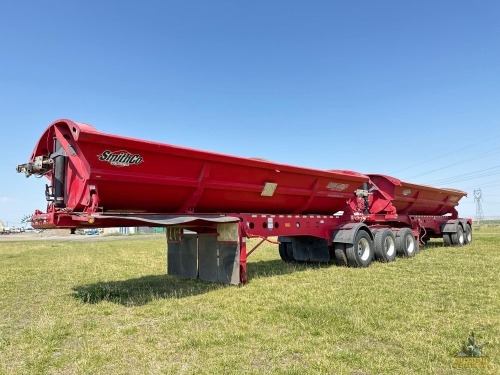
[54, 163]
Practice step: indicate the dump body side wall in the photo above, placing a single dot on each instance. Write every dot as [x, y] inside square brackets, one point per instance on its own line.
[130, 175]
[112, 174]
[394, 196]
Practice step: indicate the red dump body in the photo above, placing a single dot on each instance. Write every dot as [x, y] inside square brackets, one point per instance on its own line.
[389, 195]
[119, 174]
[394, 196]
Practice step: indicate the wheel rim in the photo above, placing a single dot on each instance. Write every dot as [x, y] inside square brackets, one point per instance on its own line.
[363, 249]
[469, 236]
[461, 237]
[389, 246]
[410, 244]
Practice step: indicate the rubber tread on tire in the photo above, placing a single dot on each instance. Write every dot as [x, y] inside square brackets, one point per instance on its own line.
[458, 239]
[360, 253]
[340, 256]
[284, 252]
[383, 238]
[447, 239]
[468, 234]
[406, 244]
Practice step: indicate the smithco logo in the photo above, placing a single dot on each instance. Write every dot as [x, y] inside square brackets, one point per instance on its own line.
[120, 158]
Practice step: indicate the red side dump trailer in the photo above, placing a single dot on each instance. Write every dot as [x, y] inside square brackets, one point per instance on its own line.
[211, 203]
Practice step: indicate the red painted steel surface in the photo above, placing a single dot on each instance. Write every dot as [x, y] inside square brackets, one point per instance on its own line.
[392, 196]
[119, 174]
[111, 174]
[412, 199]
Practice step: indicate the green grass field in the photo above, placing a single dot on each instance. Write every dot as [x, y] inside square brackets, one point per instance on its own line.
[108, 308]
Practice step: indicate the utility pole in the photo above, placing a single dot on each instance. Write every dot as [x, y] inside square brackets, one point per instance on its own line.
[478, 197]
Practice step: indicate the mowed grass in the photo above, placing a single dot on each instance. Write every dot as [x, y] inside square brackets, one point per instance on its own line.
[107, 307]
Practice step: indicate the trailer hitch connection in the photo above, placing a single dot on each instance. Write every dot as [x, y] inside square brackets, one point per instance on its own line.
[40, 166]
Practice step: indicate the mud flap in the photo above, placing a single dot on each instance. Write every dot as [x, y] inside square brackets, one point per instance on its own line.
[173, 251]
[182, 257]
[310, 249]
[229, 263]
[189, 256]
[174, 258]
[209, 257]
[228, 247]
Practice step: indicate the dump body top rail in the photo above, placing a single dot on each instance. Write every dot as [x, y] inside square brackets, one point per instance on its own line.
[120, 174]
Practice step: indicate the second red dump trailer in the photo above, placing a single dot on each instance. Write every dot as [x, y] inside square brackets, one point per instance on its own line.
[211, 203]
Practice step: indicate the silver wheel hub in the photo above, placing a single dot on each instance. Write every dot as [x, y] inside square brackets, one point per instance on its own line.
[363, 249]
[410, 244]
[389, 246]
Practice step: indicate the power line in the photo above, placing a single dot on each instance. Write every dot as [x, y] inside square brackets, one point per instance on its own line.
[491, 185]
[447, 154]
[483, 155]
[486, 184]
[487, 172]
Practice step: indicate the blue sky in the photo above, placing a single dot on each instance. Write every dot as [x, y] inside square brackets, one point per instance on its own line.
[410, 89]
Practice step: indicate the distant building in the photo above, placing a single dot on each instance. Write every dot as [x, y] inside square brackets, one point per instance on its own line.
[119, 230]
[132, 230]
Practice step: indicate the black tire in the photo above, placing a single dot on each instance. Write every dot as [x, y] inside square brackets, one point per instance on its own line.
[406, 245]
[286, 253]
[468, 234]
[458, 238]
[385, 245]
[360, 253]
[447, 239]
[340, 256]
